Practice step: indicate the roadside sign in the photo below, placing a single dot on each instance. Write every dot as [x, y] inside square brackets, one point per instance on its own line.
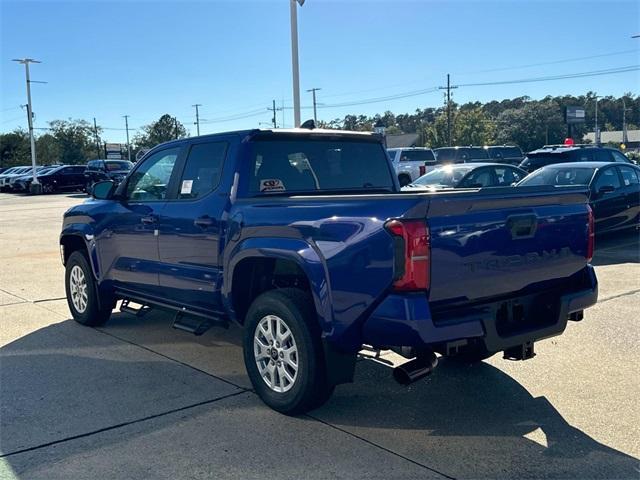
[574, 115]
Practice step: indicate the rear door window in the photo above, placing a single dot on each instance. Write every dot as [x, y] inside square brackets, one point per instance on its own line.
[618, 157]
[603, 156]
[506, 176]
[629, 175]
[202, 169]
[583, 155]
[608, 177]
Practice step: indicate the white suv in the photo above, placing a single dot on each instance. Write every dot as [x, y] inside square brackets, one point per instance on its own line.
[411, 163]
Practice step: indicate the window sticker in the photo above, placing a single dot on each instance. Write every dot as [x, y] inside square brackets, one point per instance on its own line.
[187, 185]
[271, 185]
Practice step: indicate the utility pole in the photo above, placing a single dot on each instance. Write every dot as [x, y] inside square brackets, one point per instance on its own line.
[293, 8]
[35, 185]
[625, 138]
[273, 109]
[448, 88]
[126, 126]
[197, 122]
[95, 133]
[315, 113]
[175, 124]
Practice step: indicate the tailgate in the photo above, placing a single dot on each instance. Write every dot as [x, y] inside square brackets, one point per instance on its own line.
[501, 242]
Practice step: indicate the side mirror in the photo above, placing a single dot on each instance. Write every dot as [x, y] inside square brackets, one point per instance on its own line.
[605, 189]
[102, 190]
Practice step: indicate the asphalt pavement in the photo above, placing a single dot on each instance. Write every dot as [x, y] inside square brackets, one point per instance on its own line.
[136, 399]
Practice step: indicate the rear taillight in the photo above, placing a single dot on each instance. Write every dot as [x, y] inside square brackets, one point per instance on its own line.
[591, 233]
[412, 254]
[423, 170]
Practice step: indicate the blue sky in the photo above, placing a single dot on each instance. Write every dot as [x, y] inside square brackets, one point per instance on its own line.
[105, 59]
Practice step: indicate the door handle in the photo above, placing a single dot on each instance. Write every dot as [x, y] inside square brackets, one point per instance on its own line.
[203, 222]
[149, 219]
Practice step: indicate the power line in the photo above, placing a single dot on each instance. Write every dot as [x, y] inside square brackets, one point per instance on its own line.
[552, 62]
[593, 73]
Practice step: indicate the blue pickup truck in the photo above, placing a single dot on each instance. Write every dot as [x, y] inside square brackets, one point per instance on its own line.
[304, 238]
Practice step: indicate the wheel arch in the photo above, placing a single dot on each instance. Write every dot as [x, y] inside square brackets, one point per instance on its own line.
[267, 257]
[79, 238]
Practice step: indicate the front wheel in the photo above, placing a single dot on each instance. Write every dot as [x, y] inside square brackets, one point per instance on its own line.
[283, 353]
[86, 304]
[47, 188]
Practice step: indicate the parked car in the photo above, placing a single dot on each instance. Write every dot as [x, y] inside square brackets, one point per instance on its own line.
[549, 155]
[305, 240]
[461, 154]
[614, 190]
[98, 170]
[22, 183]
[61, 178]
[410, 163]
[6, 177]
[510, 154]
[468, 175]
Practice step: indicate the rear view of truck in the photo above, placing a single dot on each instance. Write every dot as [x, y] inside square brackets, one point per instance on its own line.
[488, 271]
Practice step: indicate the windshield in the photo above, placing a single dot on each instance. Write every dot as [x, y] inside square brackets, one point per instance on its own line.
[112, 166]
[317, 165]
[447, 176]
[559, 176]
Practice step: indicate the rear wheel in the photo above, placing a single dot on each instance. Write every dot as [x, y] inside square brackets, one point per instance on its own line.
[283, 353]
[86, 304]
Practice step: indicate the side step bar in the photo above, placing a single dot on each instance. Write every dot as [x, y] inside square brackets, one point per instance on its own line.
[196, 325]
[138, 312]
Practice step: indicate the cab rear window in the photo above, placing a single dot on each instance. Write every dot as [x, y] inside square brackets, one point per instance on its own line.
[282, 166]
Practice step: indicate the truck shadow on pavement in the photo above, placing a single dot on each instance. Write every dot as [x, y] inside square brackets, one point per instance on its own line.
[464, 421]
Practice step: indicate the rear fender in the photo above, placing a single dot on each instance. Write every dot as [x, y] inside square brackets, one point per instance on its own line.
[296, 250]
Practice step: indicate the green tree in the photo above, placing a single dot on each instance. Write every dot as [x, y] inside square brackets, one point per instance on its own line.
[75, 140]
[14, 149]
[47, 149]
[533, 125]
[473, 127]
[164, 129]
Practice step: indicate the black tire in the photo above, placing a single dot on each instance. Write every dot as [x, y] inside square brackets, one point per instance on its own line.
[48, 188]
[98, 307]
[404, 180]
[310, 388]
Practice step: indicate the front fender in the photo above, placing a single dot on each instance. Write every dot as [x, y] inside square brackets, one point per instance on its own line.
[83, 232]
[299, 251]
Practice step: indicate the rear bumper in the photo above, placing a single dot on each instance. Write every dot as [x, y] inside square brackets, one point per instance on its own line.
[407, 320]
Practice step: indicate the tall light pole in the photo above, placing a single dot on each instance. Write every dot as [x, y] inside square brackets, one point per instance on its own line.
[597, 132]
[294, 60]
[197, 122]
[126, 126]
[315, 113]
[35, 186]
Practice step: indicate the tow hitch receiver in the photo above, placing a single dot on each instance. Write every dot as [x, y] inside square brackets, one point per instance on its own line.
[520, 352]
